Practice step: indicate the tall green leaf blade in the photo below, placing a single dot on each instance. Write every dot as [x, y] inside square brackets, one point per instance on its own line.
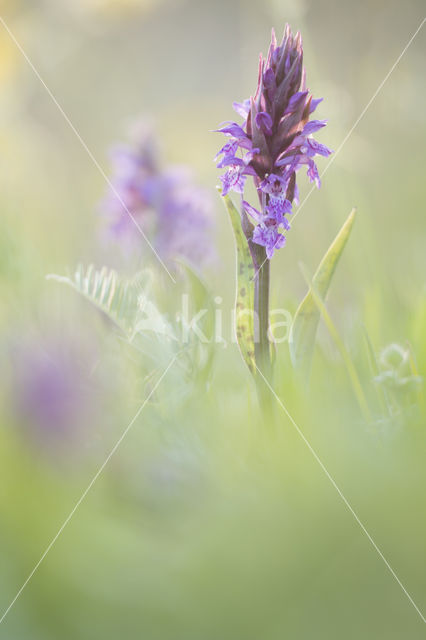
[244, 303]
[305, 322]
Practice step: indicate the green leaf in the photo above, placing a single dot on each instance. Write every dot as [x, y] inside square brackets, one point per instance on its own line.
[305, 323]
[201, 352]
[201, 297]
[350, 367]
[123, 302]
[244, 303]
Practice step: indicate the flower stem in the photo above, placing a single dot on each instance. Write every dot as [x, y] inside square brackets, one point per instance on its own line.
[262, 351]
[261, 308]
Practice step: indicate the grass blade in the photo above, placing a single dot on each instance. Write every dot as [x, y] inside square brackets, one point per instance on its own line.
[305, 323]
[353, 375]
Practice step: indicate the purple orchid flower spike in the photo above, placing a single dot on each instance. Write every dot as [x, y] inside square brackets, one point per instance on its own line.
[173, 211]
[273, 143]
[270, 146]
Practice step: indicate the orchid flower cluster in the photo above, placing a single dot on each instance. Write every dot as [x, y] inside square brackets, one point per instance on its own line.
[164, 202]
[273, 143]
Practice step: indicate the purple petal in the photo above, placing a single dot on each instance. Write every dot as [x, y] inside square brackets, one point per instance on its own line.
[230, 160]
[230, 148]
[232, 180]
[314, 103]
[319, 148]
[248, 171]
[312, 173]
[283, 161]
[269, 79]
[248, 157]
[312, 126]
[274, 185]
[295, 101]
[277, 208]
[242, 108]
[264, 122]
[254, 213]
[232, 129]
[268, 237]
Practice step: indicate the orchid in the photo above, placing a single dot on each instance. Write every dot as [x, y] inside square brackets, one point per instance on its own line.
[274, 142]
[173, 212]
[271, 145]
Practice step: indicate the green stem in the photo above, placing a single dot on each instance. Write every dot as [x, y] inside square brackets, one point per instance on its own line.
[261, 308]
[262, 351]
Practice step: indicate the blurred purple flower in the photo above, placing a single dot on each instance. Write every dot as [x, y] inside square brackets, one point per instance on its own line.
[174, 213]
[275, 141]
[51, 392]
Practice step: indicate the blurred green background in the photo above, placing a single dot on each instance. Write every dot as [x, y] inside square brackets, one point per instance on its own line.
[205, 524]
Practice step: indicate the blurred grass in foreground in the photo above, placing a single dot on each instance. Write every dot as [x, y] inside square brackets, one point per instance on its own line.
[205, 523]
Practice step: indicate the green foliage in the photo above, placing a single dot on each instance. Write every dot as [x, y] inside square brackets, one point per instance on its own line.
[204, 524]
[350, 367]
[398, 378]
[244, 302]
[123, 302]
[305, 323]
[201, 352]
[130, 307]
